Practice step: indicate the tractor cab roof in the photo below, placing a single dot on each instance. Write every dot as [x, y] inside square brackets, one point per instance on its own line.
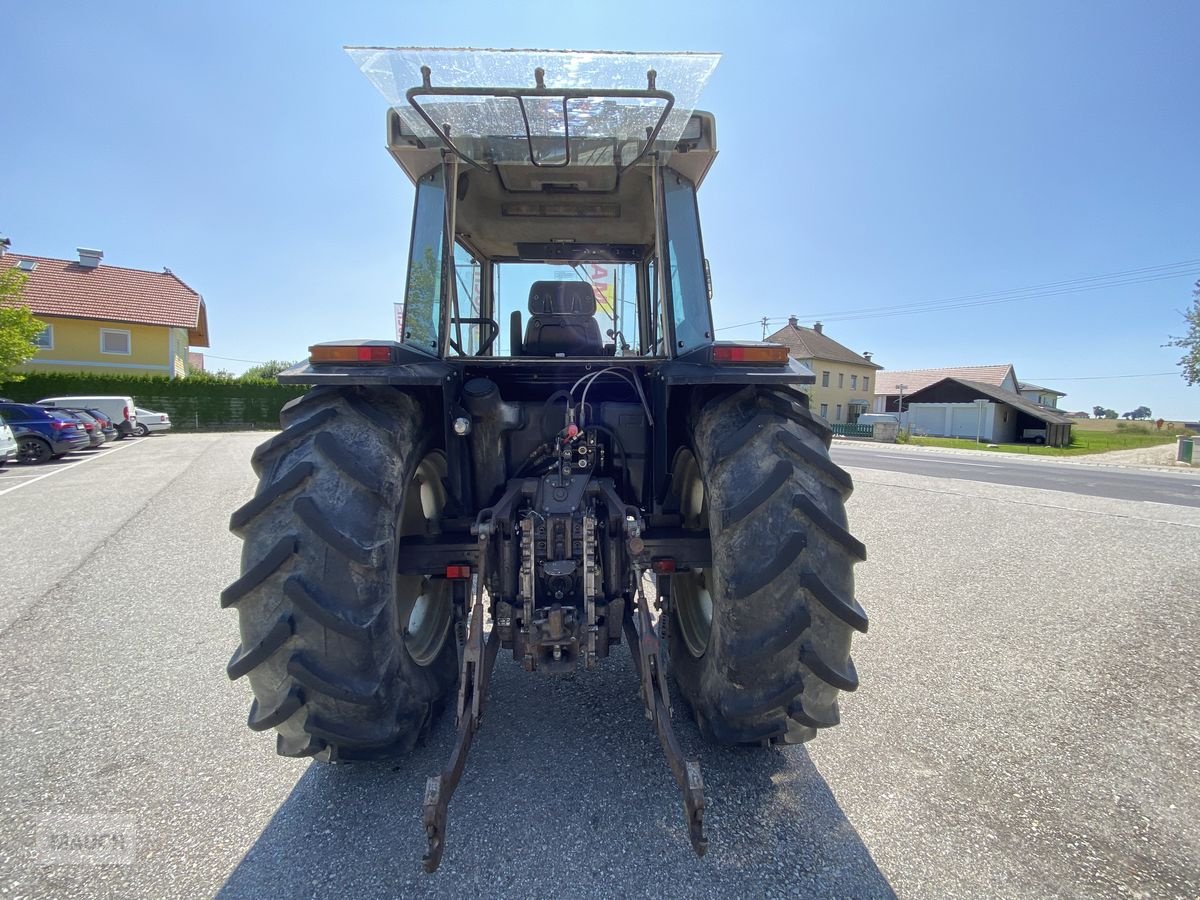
[549, 122]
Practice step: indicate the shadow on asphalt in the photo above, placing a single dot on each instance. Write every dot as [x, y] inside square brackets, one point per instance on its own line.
[566, 792]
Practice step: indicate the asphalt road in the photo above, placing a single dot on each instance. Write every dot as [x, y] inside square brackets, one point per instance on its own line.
[1028, 722]
[1182, 488]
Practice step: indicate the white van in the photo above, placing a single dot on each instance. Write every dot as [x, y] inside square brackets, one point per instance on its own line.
[120, 409]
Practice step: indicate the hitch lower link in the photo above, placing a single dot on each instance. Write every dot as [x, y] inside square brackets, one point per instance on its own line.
[479, 659]
[648, 662]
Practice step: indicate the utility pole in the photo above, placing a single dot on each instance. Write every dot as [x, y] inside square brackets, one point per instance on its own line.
[764, 324]
[900, 403]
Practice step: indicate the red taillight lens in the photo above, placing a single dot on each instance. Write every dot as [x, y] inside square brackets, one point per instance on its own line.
[760, 354]
[664, 566]
[57, 424]
[125, 412]
[458, 573]
[379, 354]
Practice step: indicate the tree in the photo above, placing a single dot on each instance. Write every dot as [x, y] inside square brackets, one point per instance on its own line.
[1098, 412]
[1142, 412]
[1110, 414]
[18, 327]
[1189, 363]
[269, 369]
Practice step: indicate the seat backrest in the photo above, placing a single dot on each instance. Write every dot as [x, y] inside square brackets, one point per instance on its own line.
[562, 320]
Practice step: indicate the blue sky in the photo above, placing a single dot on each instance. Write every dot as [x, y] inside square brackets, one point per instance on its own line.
[872, 155]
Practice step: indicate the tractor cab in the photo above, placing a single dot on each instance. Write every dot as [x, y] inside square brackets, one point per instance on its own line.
[555, 215]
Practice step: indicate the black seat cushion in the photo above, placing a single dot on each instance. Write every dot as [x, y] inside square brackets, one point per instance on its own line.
[562, 320]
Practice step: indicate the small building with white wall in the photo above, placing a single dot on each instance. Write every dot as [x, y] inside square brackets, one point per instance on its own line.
[959, 407]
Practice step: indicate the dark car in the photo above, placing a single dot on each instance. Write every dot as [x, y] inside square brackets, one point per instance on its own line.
[94, 431]
[43, 434]
[106, 424]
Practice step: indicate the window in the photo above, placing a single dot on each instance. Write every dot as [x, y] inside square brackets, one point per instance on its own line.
[45, 338]
[854, 382]
[825, 408]
[115, 340]
[838, 416]
[685, 260]
[866, 383]
[841, 383]
[824, 381]
[423, 288]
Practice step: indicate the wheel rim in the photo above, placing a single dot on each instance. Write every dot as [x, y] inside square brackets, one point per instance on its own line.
[690, 591]
[423, 605]
[33, 450]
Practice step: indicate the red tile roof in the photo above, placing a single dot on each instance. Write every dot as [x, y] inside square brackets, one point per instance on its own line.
[60, 287]
[915, 379]
[808, 343]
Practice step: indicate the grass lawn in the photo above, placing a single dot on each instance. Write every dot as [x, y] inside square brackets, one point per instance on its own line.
[1084, 440]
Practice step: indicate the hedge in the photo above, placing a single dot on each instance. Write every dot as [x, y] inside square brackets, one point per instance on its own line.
[193, 403]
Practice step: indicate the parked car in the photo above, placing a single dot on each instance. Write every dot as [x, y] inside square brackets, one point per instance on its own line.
[43, 434]
[94, 432]
[106, 424]
[149, 421]
[8, 444]
[120, 409]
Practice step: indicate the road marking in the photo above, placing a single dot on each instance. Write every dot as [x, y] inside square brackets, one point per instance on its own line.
[976, 465]
[58, 470]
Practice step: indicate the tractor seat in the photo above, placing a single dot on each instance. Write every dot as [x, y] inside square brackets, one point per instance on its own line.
[562, 320]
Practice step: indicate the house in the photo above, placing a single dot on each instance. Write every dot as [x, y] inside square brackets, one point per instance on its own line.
[843, 390]
[102, 318]
[1042, 396]
[959, 407]
[890, 386]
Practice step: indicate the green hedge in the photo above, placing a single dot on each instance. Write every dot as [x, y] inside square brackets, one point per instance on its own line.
[194, 403]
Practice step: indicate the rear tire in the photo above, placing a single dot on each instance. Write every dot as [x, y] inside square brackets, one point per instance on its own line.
[346, 659]
[760, 643]
[141, 430]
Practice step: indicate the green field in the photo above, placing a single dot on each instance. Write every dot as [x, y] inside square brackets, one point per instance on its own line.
[1087, 436]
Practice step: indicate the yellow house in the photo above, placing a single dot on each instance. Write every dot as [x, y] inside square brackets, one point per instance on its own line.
[845, 387]
[107, 318]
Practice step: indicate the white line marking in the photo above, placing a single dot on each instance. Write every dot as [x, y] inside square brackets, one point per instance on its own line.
[976, 465]
[58, 470]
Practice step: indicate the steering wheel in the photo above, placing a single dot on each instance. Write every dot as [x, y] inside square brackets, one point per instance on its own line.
[486, 345]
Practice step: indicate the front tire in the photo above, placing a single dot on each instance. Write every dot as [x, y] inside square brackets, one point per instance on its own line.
[760, 642]
[346, 659]
[141, 430]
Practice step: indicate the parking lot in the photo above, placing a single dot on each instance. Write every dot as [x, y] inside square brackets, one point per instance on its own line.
[1027, 725]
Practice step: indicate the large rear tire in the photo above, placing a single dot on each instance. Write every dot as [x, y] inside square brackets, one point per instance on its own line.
[346, 659]
[760, 643]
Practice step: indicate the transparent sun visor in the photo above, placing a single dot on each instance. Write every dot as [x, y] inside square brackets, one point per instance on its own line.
[483, 125]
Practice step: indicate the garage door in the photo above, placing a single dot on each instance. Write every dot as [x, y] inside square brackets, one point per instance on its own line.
[928, 420]
[964, 421]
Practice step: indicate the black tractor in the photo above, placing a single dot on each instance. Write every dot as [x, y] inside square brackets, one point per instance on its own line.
[556, 455]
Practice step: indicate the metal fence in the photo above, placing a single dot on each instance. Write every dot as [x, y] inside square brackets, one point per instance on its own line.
[862, 431]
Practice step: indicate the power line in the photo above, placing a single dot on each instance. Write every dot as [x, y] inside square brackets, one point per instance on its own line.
[1103, 377]
[257, 362]
[1065, 287]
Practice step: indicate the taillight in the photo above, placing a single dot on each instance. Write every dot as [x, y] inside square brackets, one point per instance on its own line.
[125, 412]
[457, 573]
[750, 354]
[371, 353]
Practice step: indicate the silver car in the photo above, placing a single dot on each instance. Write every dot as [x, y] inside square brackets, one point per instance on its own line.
[148, 421]
[8, 444]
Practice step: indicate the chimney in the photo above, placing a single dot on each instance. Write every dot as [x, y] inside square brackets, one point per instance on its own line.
[867, 355]
[5, 243]
[793, 321]
[817, 328]
[89, 259]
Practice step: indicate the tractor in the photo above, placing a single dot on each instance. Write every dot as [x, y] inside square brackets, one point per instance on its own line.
[555, 456]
